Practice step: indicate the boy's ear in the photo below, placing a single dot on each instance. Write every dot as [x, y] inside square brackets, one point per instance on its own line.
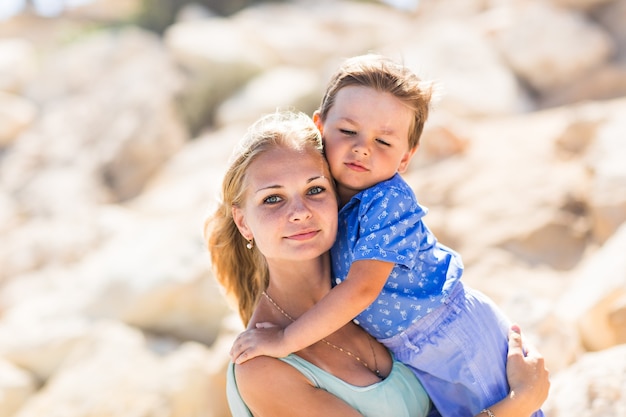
[318, 121]
[406, 159]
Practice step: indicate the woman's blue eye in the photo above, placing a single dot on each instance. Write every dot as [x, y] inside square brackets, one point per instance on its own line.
[317, 190]
[273, 199]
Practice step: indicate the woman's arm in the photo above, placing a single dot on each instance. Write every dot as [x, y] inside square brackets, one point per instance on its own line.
[528, 378]
[272, 388]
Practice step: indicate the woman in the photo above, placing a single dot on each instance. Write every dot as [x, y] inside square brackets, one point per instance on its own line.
[269, 242]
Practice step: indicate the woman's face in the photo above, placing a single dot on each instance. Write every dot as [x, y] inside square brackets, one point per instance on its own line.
[290, 206]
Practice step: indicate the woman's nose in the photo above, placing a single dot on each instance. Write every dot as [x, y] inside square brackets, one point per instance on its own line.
[299, 210]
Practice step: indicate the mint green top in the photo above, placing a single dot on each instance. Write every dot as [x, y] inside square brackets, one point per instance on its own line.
[398, 395]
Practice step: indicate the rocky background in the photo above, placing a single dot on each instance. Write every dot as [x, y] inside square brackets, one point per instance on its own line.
[116, 122]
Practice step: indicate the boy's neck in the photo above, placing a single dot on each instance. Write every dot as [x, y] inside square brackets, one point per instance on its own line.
[345, 194]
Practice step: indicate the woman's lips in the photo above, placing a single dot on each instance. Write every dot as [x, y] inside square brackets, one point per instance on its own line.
[303, 235]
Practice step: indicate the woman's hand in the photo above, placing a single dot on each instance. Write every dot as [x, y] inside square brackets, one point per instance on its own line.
[528, 377]
[526, 371]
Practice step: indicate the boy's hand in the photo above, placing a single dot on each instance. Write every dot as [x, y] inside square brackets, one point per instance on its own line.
[266, 339]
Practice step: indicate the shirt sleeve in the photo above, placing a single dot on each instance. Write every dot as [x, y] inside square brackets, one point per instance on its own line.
[390, 226]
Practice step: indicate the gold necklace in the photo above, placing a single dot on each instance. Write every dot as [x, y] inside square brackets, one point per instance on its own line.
[376, 371]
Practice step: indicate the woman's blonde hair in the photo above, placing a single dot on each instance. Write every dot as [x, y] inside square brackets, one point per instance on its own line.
[384, 75]
[241, 271]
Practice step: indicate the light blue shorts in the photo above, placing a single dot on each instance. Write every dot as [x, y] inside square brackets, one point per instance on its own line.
[459, 353]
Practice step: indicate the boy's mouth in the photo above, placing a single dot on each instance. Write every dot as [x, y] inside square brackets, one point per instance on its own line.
[355, 166]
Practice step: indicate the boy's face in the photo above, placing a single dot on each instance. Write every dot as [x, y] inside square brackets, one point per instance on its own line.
[365, 138]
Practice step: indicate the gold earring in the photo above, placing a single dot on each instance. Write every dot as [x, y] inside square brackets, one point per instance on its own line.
[250, 244]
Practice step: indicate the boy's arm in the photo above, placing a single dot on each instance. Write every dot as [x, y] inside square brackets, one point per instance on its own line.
[365, 280]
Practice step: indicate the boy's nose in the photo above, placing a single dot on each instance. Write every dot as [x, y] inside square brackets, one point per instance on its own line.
[360, 149]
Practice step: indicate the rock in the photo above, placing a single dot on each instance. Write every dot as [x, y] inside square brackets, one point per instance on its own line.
[329, 37]
[137, 380]
[188, 182]
[537, 44]
[611, 15]
[28, 246]
[470, 78]
[580, 132]
[594, 301]
[593, 386]
[16, 115]
[580, 4]
[543, 330]
[197, 377]
[129, 279]
[104, 10]
[216, 58]
[18, 64]
[279, 88]
[607, 202]
[132, 382]
[39, 344]
[608, 81]
[440, 141]
[124, 127]
[9, 217]
[16, 387]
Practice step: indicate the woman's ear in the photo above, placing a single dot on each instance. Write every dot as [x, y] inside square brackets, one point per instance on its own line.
[318, 121]
[240, 222]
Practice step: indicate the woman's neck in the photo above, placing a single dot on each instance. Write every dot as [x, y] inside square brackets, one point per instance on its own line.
[297, 286]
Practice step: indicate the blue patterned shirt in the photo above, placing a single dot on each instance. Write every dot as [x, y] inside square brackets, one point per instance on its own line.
[385, 223]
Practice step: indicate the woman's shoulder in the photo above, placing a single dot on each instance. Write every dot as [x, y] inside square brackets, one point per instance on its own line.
[253, 373]
[248, 385]
[279, 389]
